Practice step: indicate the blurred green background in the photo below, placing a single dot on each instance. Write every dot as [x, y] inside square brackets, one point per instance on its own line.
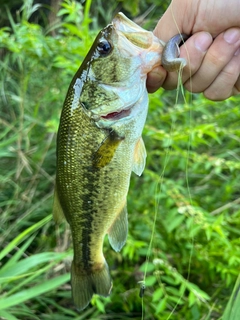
[187, 201]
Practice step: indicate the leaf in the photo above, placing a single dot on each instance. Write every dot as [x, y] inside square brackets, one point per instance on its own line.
[157, 295]
[100, 305]
[170, 279]
[176, 222]
[26, 264]
[16, 241]
[35, 291]
[150, 280]
[172, 291]
[161, 305]
[191, 299]
[147, 267]
[200, 294]
[6, 315]
[17, 255]
[232, 310]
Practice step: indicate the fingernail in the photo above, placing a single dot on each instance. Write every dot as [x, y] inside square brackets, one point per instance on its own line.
[231, 36]
[203, 41]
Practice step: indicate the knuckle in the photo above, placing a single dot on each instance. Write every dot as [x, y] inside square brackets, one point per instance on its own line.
[217, 95]
[192, 87]
[216, 59]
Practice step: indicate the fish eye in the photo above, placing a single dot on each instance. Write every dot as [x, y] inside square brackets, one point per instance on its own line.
[104, 47]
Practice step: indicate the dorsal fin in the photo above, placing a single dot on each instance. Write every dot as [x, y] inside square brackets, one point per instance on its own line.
[58, 214]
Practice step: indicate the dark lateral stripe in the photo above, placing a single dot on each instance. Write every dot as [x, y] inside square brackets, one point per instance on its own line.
[94, 174]
[89, 212]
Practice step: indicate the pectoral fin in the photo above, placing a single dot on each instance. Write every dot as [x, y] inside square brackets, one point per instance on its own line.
[106, 151]
[117, 234]
[140, 155]
[58, 214]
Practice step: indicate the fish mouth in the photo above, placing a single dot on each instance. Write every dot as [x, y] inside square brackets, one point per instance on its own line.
[117, 115]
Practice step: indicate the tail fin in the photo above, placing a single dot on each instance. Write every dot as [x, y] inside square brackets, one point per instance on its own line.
[84, 286]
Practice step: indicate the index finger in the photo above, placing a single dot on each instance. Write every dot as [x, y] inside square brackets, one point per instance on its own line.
[175, 20]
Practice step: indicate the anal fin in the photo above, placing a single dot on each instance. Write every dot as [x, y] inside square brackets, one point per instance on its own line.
[117, 233]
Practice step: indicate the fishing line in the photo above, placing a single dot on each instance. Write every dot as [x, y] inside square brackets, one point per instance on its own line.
[160, 182]
[188, 152]
[157, 200]
[180, 86]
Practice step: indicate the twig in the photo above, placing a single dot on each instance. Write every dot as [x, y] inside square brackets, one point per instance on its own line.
[226, 206]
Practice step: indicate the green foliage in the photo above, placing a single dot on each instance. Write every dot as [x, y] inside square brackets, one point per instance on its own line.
[232, 310]
[195, 169]
[183, 243]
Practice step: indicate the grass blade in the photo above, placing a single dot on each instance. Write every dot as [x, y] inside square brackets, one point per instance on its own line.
[232, 311]
[15, 242]
[7, 315]
[30, 293]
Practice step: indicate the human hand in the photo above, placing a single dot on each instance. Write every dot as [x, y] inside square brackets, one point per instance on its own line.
[212, 52]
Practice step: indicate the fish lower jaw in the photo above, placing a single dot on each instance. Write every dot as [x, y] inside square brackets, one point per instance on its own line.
[121, 115]
[117, 115]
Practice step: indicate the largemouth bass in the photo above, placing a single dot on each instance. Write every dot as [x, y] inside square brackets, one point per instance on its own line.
[99, 144]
